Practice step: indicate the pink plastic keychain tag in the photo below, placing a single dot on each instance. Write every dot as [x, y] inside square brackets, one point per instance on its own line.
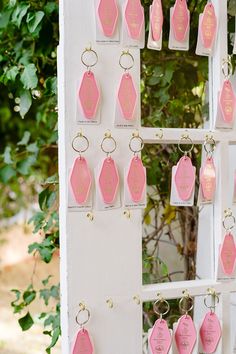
[208, 173]
[208, 26]
[160, 338]
[80, 178]
[136, 176]
[127, 93]
[180, 20]
[83, 343]
[88, 91]
[228, 247]
[156, 19]
[134, 18]
[185, 333]
[227, 102]
[108, 15]
[210, 330]
[108, 178]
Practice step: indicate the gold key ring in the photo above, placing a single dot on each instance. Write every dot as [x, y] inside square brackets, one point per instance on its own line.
[83, 56]
[126, 53]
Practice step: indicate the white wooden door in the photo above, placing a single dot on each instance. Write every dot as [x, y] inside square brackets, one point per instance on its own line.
[102, 259]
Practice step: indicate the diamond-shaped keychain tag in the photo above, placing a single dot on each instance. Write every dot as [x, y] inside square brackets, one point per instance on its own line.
[89, 95]
[134, 17]
[185, 335]
[228, 254]
[210, 333]
[127, 97]
[136, 179]
[185, 178]
[80, 180]
[208, 179]
[227, 102]
[108, 15]
[208, 26]
[156, 19]
[180, 20]
[83, 344]
[160, 339]
[108, 180]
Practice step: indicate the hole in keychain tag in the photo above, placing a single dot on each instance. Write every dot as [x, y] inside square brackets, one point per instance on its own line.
[160, 340]
[185, 178]
[83, 344]
[134, 16]
[109, 180]
[227, 102]
[127, 96]
[185, 335]
[108, 15]
[180, 20]
[228, 254]
[80, 180]
[136, 179]
[208, 179]
[89, 95]
[156, 19]
[210, 333]
[208, 26]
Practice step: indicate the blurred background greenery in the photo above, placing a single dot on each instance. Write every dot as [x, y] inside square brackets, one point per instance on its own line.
[174, 94]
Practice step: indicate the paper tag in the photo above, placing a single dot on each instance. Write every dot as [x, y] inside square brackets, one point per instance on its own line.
[80, 180]
[208, 180]
[107, 21]
[173, 42]
[127, 97]
[134, 13]
[107, 185]
[185, 335]
[210, 333]
[175, 200]
[227, 102]
[83, 343]
[228, 254]
[155, 25]
[135, 185]
[160, 338]
[234, 197]
[88, 100]
[185, 178]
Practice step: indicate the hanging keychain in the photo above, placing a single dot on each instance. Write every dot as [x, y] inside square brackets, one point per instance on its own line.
[155, 25]
[208, 173]
[126, 114]
[160, 337]
[88, 91]
[107, 15]
[134, 24]
[179, 26]
[83, 343]
[185, 331]
[135, 176]
[207, 30]
[183, 176]
[228, 248]
[108, 177]
[80, 177]
[227, 100]
[210, 330]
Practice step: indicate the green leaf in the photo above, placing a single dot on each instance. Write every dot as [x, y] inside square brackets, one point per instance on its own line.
[6, 173]
[56, 334]
[25, 139]
[11, 74]
[50, 7]
[33, 20]
[7, 155]
[19, 13]
[25, 102]
[29, 77]
[26, 322]
[45, 281]
[29, 296]
[24, 166]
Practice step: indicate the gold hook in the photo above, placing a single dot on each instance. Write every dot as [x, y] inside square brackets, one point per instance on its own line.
[107, 134]
[135, 134]
[90, 216]
[82, 306]
[127, 213]
[110, 303]
[160, 134]
[137, 299]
